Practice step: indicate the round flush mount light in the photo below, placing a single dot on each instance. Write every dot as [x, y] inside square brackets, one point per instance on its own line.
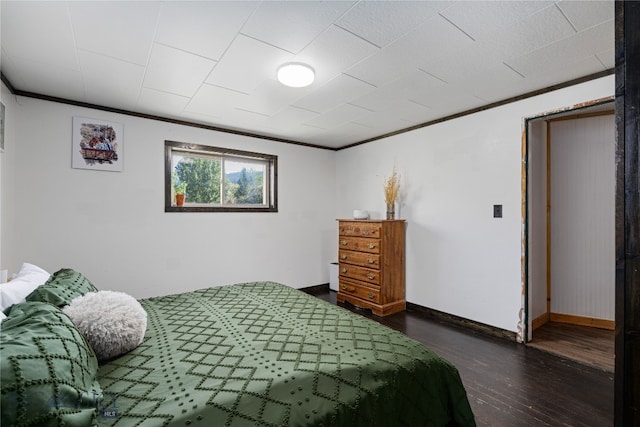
[295, 74]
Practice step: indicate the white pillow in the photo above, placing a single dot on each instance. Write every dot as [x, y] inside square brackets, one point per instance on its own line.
[15, 291]
[113, 323]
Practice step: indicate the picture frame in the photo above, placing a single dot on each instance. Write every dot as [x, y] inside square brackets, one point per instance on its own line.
[97, 145]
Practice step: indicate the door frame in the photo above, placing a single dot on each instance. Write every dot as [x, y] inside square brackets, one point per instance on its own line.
[583, 110]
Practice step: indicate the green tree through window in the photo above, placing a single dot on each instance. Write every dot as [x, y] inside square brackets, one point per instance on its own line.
[248, 189]
[202, 177]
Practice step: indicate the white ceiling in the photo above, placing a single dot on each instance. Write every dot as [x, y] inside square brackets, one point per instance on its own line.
[381, 66]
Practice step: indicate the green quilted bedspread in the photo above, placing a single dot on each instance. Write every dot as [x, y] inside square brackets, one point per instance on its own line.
[263, 354]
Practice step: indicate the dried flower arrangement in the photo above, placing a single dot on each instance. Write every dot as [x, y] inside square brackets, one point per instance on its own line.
[392, 187]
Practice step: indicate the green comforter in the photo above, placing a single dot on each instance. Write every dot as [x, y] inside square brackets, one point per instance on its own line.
[263, 354]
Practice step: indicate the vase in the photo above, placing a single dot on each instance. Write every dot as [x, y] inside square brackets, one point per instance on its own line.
[179, 199]
[391, 210]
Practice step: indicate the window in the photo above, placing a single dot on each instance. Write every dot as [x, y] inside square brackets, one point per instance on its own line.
[199, 178]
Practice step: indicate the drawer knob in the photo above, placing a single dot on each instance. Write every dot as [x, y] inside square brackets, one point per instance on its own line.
[371, 246]
[344, 270]
[371, 295]
[371, 261]
[343, 287]
[347, 288]
[343, 257]
[371, 276]
[343, 242]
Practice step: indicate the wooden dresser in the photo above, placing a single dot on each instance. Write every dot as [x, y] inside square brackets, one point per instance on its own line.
[371, 256]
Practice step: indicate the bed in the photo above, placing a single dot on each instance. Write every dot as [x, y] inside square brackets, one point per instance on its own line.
[254, 354]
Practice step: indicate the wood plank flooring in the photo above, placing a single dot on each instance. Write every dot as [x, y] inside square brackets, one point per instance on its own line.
[509, 384]
[590, 346]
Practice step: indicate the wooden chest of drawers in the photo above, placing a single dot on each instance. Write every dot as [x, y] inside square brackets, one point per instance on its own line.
[371, 264]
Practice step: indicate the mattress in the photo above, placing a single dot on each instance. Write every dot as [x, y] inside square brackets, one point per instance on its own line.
[264, 354]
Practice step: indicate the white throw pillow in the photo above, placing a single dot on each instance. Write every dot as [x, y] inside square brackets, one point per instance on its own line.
[15, 291]
[113, 323]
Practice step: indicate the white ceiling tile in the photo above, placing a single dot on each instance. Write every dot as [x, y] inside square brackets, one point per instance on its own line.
[154, 101]
[386, 66]
[585, 14]
[383, 22]
[400, 90]
[300, 131]
[414, 85]
[122, 30]
[110, 81]
[208, 119]
[342, 114]
[291, 25]
[382, 121]
[489, 84]
[538, 30]
[607, 58]
[338, 91]
[435, 38]
[328, 61]
[272, 96]
[341, 135]
[43, 78]
[205, 28]
[215, 101]
[444, 100]
[565, 51]
[410, 111]
[420, 47]
[462, 65]
[246, 120]
[23, 25]
[554, 75]
[578, 68]
[480, 18]
[12, 70]
[247, 64]
[379, 98]
[289, 116]
[175, 71]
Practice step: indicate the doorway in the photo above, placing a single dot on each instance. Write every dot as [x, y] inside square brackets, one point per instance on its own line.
[570, 233]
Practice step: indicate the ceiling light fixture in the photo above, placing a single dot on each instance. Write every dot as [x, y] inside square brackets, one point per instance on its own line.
[295, 74]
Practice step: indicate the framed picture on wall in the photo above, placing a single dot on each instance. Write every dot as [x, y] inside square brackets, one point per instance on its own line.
[97, 145]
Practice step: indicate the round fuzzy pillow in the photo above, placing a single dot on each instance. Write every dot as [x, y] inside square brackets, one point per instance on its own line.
[113, 323]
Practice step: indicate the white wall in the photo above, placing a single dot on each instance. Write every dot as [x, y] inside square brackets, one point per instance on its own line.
[460, 259]
[7, 177]
[112, 227]
[583, 217]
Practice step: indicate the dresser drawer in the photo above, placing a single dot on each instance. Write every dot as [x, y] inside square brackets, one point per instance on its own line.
[359, 244]
[360, 273]
[348, 287]
[360, 258]
[361, 229]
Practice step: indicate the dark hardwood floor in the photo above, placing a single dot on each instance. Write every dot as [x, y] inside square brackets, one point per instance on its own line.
[587, 345]
[509, 384]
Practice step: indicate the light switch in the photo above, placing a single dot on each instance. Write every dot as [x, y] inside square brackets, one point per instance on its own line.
[497, 211]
